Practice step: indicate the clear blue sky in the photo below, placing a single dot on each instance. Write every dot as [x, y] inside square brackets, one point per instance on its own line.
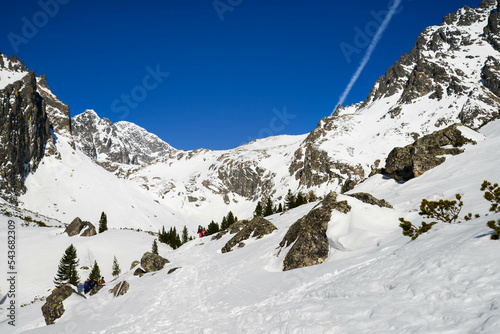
[225, 77]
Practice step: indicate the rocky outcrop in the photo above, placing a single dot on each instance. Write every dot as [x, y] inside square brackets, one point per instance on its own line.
[308, 234]
[120, 289]
[53, 308]
[96, 289]
[244, 178]
[369, 199]
[111, 144]
[151, 262]
[77, 226]
[24, 134]
[492, 30]
[405, 163]
[244, 229]
[491, 75]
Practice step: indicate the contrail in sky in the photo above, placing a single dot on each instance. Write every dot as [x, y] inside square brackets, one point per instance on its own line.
[369, 52]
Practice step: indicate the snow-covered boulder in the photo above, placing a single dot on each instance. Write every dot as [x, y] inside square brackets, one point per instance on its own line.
[151, 262]
[257, 228]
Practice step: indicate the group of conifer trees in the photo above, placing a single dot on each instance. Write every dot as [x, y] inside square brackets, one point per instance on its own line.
[267, 207]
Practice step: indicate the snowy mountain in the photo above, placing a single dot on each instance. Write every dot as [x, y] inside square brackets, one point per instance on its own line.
[115, 145]
[371, 278]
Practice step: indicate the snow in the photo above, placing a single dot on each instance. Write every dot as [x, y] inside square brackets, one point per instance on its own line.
[375, 279]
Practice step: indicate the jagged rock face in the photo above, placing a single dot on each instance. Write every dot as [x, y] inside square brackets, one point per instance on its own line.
[114, 144]
[492, 30]
[491, 75]
[53, 308]
[24, 135]
[244, 178]
[429, 69]
[313, 166]
[151, 262]
[308, 234]
[369, 199]
[57, 112]
[244, 229]
[405, 163]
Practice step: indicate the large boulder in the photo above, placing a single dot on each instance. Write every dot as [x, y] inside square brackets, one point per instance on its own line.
[53, 308]
[151, 262]
[120, 289]
[308, 234]
[370, 199]
[244, 229]
[77, 226]
[405, 163]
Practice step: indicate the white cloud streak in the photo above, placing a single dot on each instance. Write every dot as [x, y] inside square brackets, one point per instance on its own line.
[369, 52]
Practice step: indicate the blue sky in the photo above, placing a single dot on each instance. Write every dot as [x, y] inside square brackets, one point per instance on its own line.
[211, 74]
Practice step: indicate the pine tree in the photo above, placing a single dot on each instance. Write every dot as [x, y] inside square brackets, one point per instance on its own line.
[230, 219]
[311, 197]
[66, 272]
[116, 268]
[154, 248]
[224, 224]
[95, 273]
[300, 199]
[258, 210]
[280, 208]
[268, 210]
[290, 200]
[212, 228]
[103, 223]
[185, 235]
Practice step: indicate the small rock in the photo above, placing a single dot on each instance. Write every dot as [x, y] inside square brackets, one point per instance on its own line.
[139, 272]
[135, 263]
[123, 288]
[172, 270]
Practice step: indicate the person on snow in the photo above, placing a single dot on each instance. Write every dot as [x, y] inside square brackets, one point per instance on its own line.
[203, 231]
[200, 231]
[86, 286]
[101, 281]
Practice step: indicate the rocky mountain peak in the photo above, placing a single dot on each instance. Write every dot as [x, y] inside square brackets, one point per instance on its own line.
[114, 144]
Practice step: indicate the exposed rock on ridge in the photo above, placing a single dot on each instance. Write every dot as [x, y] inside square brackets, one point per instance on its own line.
[308, 234]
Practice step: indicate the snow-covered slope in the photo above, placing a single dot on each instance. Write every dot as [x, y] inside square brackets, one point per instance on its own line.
[447, 280]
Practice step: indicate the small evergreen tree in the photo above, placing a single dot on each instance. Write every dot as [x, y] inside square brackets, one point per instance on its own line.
[444, 210]
[230, 219]
[116, 268]
[301, 199]
[103, 223]
[258, 210]
[268, 210]
[412, 231]
[95, 273]
[492, 194]
[212, 228]
[154, 248]
[280, 208]
[185, 235]
[224, 223]
[311, 197]
[66, 272]
[290, 200]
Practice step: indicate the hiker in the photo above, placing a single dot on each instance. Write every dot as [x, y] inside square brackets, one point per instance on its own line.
[92, 283]
[101, 281]
[200, 231]
[86, 286]
[203, 232]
